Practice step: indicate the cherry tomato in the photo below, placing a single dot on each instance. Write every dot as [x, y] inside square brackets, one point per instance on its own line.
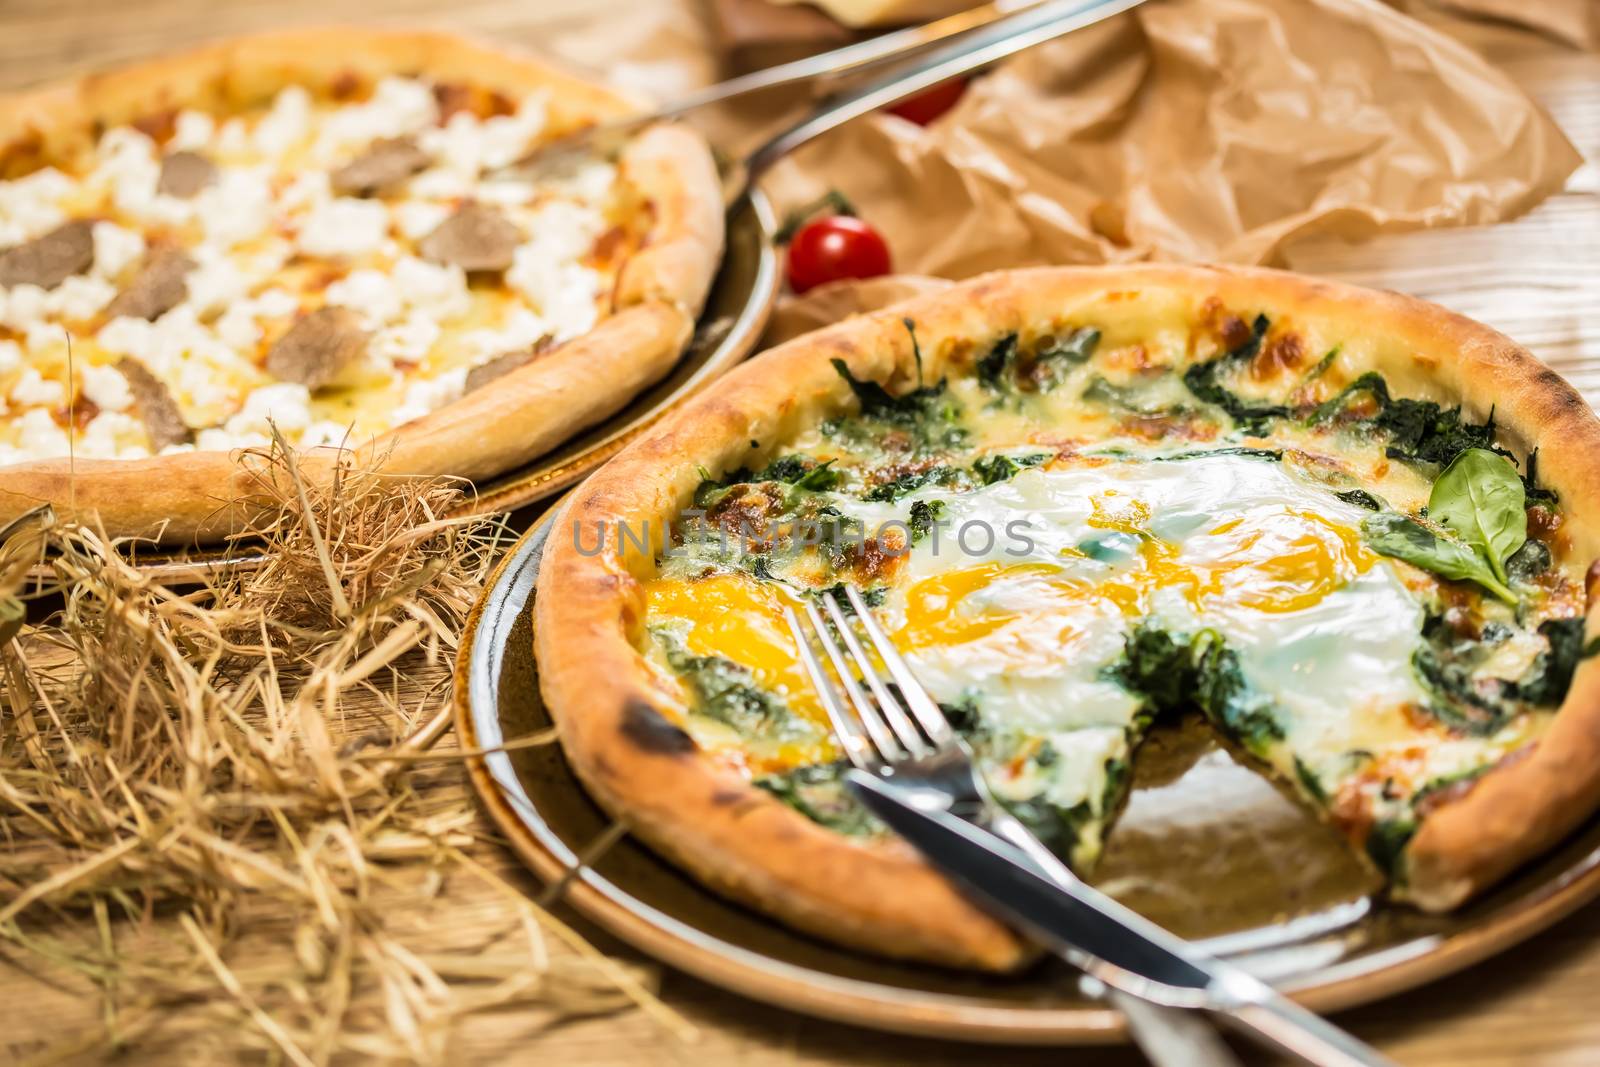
[930, 103]
[833, 247]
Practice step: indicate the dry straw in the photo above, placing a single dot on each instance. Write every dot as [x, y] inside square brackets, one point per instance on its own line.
[213, 816]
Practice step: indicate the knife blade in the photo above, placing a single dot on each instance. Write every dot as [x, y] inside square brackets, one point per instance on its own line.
[1103, 937]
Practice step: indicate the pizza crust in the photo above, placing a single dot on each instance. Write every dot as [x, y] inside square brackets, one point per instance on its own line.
[658, 294]
[615, 720]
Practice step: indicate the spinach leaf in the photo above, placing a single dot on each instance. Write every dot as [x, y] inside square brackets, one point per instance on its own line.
[1002, 468]
[924, 514]
[818, 792]
[1529, 561]
[1201, 378]
[1419, 431]
[1174, 671]
[1473, 706]
[1537, 494]
[964, 717]
[724, 690]
[1272, 455]
[1390, 533]
[992, 367]
[1482, 500]
[1385, 842]
[1059, 828]
[1360, 498]
[872, 596]
[891, 491]
[878, 403]
[1549, 676]
[1122, 398]
[1077, 347]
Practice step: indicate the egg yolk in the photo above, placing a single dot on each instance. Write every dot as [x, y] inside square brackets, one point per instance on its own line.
[740, 618]
[1281, 561]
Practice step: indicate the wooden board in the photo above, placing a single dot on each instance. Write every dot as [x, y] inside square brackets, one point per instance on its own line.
[1537, 278]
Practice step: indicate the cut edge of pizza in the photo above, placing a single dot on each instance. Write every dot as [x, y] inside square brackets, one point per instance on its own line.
[317, 231]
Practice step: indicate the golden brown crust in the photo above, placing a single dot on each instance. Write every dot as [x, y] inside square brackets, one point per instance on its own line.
[878, 896]
[659, 293]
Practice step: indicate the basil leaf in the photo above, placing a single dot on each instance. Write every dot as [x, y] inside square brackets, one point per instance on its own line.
[1390, 533]
[1480, 498]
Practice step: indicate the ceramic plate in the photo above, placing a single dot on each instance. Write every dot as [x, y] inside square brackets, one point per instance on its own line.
[736, 312]
[1206, 846]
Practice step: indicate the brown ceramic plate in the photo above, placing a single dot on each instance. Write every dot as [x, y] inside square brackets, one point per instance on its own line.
[1206, 846]
[736, 312]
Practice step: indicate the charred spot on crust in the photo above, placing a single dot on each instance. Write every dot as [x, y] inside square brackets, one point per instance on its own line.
[649, 731]
[50, 259]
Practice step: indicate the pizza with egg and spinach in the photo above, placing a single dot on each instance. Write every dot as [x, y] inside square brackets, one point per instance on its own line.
[323, 232]
[1353, 529]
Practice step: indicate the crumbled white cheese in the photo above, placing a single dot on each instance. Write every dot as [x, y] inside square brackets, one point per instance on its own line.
[23, 307]
[407, 341]
[45, 339]
[324, 432]
[112, 435]
[29, 205]
[442, 183]
[427, 394]
[305, 190]
[505, 139]
[32, 390]
[239, 326]
[233, 138]
[417, 218]
[591, 184]
[398, 106]
[215, 282]
[286, 404]
[192, 131]
[79, 297]
[105, 387]
[115, 248]
[237, 208]
[129, 168]
[286, 124]
[440, 290]
[565, 293]
[520, 329]
[10, 356]
[344, 227]
[370, 293]
[38, 434]
[215, 439]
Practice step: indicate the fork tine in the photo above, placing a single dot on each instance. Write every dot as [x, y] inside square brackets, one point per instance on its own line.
[888, 707]
[927, 713]
[863, 749]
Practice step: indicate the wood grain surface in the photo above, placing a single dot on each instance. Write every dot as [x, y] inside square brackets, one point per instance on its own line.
[1537, 279]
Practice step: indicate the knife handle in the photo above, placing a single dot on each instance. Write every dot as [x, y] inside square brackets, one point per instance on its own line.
[1286, 1026]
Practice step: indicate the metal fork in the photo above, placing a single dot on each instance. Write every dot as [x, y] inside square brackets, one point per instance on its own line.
[882, 735]
[901, 735]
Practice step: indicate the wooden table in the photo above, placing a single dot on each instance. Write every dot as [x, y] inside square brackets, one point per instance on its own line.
[1538, 279]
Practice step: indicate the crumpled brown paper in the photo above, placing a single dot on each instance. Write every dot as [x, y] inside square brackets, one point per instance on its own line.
[1573, 22]
[1198, 130]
